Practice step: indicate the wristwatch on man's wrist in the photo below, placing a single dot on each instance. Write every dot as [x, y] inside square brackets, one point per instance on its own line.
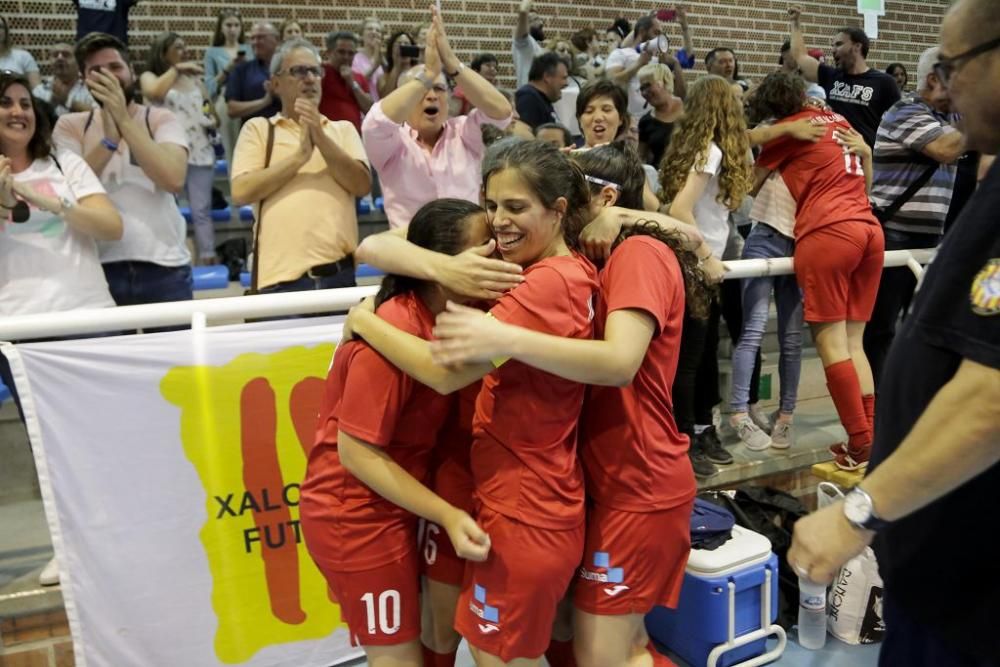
[860, 511]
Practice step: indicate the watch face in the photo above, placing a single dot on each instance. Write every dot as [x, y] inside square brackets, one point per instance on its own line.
[857, 509]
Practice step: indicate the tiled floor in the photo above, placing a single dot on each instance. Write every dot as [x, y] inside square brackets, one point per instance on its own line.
[834, 654]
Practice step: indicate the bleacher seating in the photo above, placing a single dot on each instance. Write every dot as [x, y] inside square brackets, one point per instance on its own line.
[210, 277]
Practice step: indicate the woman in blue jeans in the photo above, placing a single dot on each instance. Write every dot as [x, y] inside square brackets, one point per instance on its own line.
[771, 237]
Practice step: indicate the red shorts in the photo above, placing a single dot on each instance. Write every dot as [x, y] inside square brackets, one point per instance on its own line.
[633, 561]
[454, 484]
[381, 606]
[838, 268]
[508, 603]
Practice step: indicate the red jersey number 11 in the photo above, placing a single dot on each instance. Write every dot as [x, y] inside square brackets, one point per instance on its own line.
[852, 163]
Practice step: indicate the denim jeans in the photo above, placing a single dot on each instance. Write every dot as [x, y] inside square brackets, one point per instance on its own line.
[306, 282]
[198, 190]
[764, 242]
[344, 278]
[133, 283]
[895, 291]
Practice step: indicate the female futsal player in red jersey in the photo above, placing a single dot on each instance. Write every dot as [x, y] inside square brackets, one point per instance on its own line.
[639, 479]
[529, 483]
[364, 482]
[839, 247]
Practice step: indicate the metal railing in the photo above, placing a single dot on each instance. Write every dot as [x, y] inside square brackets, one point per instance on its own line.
[201, 312]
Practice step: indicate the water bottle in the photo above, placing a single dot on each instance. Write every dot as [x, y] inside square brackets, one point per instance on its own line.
[812, 614]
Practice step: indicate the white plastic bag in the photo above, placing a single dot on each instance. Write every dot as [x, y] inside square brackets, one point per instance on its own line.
[854, 605]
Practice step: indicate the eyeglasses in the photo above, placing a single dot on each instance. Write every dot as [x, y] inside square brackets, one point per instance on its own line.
[945, 68]
[302, 71]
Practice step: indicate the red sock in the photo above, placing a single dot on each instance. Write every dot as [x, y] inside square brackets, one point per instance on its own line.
[432, 659]
[659, 660]
[560, 654]
[845, 390]
[868, 400]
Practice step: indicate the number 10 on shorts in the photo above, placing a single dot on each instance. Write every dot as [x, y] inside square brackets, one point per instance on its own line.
[387, 616]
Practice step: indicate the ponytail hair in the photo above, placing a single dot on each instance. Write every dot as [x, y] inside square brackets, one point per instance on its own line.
[439, 226]
[618, 163]
[549, 174]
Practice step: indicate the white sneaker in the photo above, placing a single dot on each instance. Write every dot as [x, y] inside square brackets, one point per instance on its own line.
[750, 434]
[760, 419]
[782, 434]
[50, 574]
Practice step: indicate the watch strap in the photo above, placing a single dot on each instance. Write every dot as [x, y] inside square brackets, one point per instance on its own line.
[873, 522]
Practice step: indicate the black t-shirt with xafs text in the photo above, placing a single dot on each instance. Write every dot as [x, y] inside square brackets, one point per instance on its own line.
[860, 98]
[940, 563]
[110, 16]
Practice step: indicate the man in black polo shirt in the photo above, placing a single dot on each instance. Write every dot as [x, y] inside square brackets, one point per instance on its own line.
[854, 90]
[248, 92]
[930, 497]
[546, 79]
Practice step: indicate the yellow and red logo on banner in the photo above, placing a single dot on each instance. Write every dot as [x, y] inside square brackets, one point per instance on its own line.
[247, 427]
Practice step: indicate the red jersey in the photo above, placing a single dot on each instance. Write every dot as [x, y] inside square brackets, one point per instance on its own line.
[827, 182]
[451, 465]
[372, 400]
[524, 455]
[633, 455]
[337, 101]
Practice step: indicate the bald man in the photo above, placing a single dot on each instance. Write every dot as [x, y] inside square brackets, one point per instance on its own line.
[929, 500]
[248, 92]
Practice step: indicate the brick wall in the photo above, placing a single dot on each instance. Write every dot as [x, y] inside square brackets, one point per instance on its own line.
[754, 28]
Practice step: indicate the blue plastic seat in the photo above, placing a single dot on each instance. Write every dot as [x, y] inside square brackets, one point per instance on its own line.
[186, 212]
[245, 278]
[210, 277]
[4, 393]
[367, 271]
[246, 213]
[364, 208]
[222, 214]
[221, 168]
[379, 203]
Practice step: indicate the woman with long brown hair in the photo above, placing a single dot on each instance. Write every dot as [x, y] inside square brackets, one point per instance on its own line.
[228, 50]
[704, 175]
[639, 481]
[529, 482]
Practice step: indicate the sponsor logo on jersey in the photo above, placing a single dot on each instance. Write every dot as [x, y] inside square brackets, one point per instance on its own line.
[985, 294]
[615, 590]
[488, 628]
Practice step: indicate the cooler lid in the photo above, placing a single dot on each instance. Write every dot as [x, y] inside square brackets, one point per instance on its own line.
[743, 549]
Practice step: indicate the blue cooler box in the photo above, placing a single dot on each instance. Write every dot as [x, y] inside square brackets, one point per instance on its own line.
[727, 608]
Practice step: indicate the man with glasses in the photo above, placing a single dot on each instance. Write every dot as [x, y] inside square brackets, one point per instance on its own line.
[247, 89]
[419, 153]
[855, 91]
[302, 172]
[929, 500]
[916, 151]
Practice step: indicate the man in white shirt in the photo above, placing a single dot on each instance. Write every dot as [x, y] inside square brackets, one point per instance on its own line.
[623, 65]
[140, 155]
[64, 91]
[529, 33]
